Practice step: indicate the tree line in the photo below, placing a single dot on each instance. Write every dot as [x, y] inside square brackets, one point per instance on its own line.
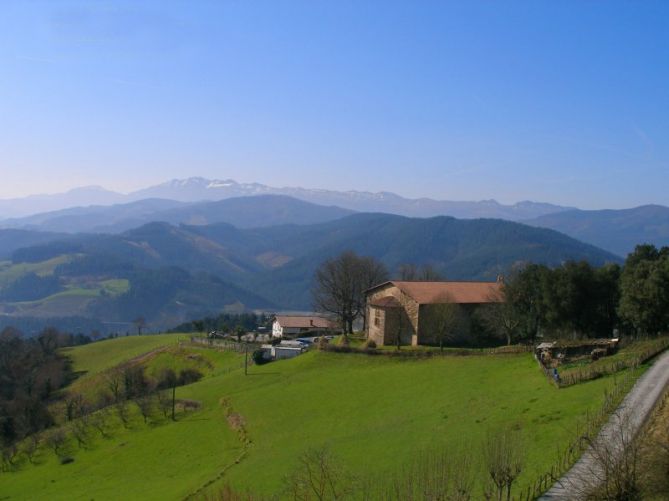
[579, 300]
[226, 322]
[31, 371]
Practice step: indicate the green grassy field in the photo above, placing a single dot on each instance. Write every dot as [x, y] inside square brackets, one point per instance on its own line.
[96, 357]
[374, 413]
[10, 271]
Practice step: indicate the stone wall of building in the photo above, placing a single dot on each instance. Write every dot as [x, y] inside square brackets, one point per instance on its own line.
[392, 320]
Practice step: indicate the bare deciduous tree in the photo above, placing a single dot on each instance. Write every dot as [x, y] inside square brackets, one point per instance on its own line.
[145, 405]
[75, 406]
[436, 475]
[123, 412]
[612, 472]
[56, 440]
[115, 383]
[8, 455]
[164, 402]
[319, 477]
[503, 462]
[372, 272]
[140, 323]
[500, 317]
[31, 446]
[424, 273]
[79, 428]
[446, 320]
[98, 421]
[340, 284]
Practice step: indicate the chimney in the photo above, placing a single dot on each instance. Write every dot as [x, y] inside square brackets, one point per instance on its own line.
[500, 279]
[311, 322]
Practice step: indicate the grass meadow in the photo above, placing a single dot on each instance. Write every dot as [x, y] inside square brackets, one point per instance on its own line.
[375, 415]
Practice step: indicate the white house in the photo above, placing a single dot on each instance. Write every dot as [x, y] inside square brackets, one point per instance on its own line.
[296, 325]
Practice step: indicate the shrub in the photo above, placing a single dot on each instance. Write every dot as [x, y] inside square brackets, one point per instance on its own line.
[259, 357]
[188, 376]
[370, 344]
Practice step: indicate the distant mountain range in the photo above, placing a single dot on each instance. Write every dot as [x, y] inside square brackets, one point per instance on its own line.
[617, 231]
[192, 247]
[243, 212]
[197, 189]
[169, 273]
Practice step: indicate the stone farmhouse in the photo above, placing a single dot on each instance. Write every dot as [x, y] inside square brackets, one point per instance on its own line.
[407, 308]
[285, 326]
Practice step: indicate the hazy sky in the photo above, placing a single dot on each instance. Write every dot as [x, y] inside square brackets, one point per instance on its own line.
[557, 101]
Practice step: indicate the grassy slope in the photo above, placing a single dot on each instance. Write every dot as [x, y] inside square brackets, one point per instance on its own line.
[373, 412]
[96, 357]
[10, 271]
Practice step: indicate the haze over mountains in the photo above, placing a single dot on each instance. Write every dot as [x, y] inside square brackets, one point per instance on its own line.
[199, 201]
[197, 189]
[617, 231]
[243, 212]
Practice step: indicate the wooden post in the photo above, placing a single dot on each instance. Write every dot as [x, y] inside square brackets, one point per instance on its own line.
[174, 393]
[246, 359]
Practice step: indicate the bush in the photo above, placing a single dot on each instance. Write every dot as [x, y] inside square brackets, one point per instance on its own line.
[188, 376]
[370, 344]
[259, 357]
[66, 460]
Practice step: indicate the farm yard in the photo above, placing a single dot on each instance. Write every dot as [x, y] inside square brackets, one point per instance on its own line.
[366, 411]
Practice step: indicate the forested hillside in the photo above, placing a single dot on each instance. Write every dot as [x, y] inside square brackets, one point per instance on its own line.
[168, 274]
[617, 231]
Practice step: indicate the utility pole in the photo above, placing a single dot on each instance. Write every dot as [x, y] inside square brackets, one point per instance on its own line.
[246, 358]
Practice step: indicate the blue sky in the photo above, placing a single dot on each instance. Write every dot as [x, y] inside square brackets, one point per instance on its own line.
[565, 102]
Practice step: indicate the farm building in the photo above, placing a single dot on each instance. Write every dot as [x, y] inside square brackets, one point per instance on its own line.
[408, 309]
[297, 325]
[286, 349]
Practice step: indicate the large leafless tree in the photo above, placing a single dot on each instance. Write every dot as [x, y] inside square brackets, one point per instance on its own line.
[340, 284]
[500, 316]
[424, 273]
[446, 320]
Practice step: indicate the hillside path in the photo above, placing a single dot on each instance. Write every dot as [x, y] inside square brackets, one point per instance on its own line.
[631, 414]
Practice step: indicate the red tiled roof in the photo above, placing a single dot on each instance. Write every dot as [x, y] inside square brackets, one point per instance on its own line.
[303, 322]
[455, 292]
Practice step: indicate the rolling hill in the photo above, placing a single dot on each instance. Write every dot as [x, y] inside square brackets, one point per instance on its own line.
[617, 231]
[13, 239]
[173, 272]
